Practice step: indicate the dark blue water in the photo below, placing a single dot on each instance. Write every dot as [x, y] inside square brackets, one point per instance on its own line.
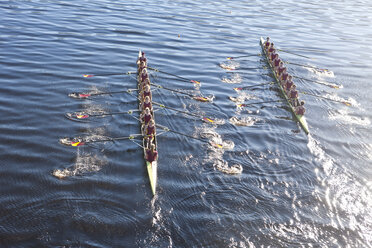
[271, 185]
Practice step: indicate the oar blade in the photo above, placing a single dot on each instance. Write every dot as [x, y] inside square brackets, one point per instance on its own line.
[74, 142]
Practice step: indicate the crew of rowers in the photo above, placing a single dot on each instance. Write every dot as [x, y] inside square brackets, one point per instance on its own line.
[284, 77]
[146, 116]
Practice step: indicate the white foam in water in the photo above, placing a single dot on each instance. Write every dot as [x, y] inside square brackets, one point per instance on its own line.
[321, 73]
[84, 164]
[230, 65]
[215, 155]
[234, 79]
[348, 200]
[244, 121]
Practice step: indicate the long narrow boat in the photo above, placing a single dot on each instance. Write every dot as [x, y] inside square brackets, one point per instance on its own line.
[300, 118]
[152, 167]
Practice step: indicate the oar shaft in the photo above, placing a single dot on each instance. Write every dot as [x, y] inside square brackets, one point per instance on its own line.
[285, 51]
[323, 97]
[252, 86]
[177, 91]
[182, 134]
[184, 112]
[174, 75]
[253, 103]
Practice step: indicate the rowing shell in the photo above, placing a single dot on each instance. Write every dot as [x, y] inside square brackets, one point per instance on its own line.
[300, 118]
[152, 167]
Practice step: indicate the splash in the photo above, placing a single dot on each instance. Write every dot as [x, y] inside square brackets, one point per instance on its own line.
[234, 79]
[321, 72]
[84, 164]
[347, 198]
[230, 65]
[215, 154]
[245, 121]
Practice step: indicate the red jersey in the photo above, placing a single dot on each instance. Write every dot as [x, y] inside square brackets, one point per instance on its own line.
[288, 85]
[280, 70]
[150, 130]
[284, 76]
[147, 105]
[146, 93]
[147, 118]
[151, 156]
[273, 56]
[293, 94]
[300, 110]
[276, 62]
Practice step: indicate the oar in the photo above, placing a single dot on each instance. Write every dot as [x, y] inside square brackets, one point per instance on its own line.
[82, 95]
[243, 56]
[307, 66]
[167, 73]
[84, 115]
[318, 82]
[246, 68]
[195, 97]
[189, 136]
[80, 141]
[108, 74]
[253, 103]
[252, 86]
[323, 97]
[285, 51]
[206, 119]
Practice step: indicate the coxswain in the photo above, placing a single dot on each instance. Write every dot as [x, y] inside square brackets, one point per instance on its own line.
[142, 58]
[146, 116]
[146, 92]
[151, 154]
[267, 43]
[146, 103]
[300, 110]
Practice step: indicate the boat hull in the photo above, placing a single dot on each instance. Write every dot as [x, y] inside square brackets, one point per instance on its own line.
[299, 118]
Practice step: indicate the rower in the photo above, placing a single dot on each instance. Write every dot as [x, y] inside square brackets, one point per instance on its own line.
[273, 56]
[284, 76]
[271, 48]
[276, 63]
[151, 154]
[143, 75]
[150, 129]
[300, 110]
[146, 116]
[267, 43]
[146, 91]
[293, 96]
[288, 84]
[146, 103]
[142, 65]
[281, 70]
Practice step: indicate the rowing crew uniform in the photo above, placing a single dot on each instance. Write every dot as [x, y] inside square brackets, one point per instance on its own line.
[284, 76]
[146, 118]
[150, 131]
[151, 155]
[267, 43]
[146, 105]
[276, 62]
[273, 56]
[288, 85]
[300, 110]
[146, 93]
